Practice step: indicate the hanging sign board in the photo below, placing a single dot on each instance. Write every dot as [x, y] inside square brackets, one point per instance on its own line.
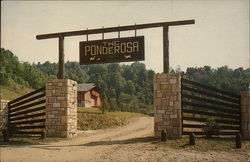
[112, 50]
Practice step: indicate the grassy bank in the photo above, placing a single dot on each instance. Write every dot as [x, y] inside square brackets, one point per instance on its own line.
[92, 118]
[7, 93]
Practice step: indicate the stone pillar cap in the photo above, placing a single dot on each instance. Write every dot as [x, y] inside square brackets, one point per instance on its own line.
[245, 92]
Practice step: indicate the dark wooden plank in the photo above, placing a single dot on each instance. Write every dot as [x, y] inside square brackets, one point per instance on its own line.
[217, 120]
[26, 96]
[211, 101]
[60, 74]
[182, 111]
[228, 99]
[203, 133]
[211, 114]
[165, 50]
[27, 135]
[114, 29]
[27, 106]
[8, 114]
[26, 132]
[0, 29]
[29, 122]
[28, 100]
[29, 111]
[28, 116]
[31, 127]
[201, 126]
[208, 107]
[235, 96]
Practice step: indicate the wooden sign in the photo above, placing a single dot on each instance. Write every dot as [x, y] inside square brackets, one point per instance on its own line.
[112, 50]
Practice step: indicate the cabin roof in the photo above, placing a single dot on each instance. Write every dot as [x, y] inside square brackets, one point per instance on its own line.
[85, 87]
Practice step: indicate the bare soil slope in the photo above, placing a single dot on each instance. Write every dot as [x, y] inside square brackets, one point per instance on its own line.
[132, 142]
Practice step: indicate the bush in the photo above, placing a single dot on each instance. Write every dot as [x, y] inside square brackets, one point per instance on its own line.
[104, 105]
[211, 127]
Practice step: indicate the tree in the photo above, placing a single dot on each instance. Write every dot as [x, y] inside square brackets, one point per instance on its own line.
[113, 104]
[129, 88]
[124, 87]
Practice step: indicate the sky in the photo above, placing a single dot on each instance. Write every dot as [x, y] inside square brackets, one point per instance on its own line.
[220, 35]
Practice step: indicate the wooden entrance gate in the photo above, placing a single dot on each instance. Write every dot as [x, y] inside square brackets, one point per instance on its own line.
[200, 102]
[27, 114]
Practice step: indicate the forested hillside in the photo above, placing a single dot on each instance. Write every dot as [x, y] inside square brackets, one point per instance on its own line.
[13, 71]
[124, 87]
[223, 77]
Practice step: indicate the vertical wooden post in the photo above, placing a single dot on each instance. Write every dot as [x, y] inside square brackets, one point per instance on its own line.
[191, 139]
[238, 140]
[43, 135]
[163, 135]
[241, 130]
[8, 107]
[181, 107]
[60, 74]
[1, 22]
[165, 50]
[8, 122]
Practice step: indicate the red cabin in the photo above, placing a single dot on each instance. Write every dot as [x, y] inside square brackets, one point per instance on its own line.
[88, 95]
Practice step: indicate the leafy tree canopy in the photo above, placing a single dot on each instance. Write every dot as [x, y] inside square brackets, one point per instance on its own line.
[124, 87]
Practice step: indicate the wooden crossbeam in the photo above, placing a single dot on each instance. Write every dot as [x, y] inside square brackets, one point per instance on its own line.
[114, 29]
[118, 29]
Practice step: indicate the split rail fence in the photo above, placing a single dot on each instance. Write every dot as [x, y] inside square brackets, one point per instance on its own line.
[27, 114]
[201, 102]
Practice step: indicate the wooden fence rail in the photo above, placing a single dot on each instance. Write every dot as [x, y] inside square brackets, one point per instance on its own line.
[27, 113]
[201, 102]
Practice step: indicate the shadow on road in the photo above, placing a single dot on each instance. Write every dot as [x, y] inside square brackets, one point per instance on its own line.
[97, 143]
[127, 141]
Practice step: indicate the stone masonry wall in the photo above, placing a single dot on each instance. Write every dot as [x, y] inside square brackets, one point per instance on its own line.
[245, 114]
[167, 105]
[61, 108]
[3, 113]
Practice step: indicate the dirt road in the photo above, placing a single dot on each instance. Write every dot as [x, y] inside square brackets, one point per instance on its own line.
[132, 142]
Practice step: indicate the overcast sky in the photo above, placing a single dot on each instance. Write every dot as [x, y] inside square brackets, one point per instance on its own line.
[220, 35]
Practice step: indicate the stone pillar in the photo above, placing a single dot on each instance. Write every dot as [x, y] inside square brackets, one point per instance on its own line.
[61, 108]
[167, 105]
[245, 114]
[3, 114]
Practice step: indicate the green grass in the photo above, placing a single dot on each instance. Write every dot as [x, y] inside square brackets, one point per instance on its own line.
[88, 110]
[7, 93]
[204, 144]
[92, 118]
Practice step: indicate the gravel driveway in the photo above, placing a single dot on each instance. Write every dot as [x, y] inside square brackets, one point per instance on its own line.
[132, 142]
